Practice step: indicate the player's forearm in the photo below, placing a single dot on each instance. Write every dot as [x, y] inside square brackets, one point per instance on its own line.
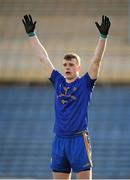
[39, 49]
[100, 49]
[29, 25]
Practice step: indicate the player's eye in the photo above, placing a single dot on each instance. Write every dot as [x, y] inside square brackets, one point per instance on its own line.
[70, 64]
[65, 64]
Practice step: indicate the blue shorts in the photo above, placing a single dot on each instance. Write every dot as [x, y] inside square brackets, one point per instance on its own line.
[71, 153]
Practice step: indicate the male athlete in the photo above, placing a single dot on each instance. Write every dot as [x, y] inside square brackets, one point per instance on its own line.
[71, 148]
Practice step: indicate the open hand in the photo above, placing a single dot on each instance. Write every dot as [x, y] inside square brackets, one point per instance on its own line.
[28, 23]
[105, 25]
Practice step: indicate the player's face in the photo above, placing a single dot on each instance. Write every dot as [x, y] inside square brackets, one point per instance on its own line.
[71, 69]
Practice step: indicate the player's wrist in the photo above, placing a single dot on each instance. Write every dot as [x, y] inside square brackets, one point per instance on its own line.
[31, 34]
[103, 36]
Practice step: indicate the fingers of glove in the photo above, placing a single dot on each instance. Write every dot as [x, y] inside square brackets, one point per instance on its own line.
[103, 19]
[30, 18]
[98, 26]
[23, 22]
[26, 18]
[106, 19]
[109, 24]
[35, 23]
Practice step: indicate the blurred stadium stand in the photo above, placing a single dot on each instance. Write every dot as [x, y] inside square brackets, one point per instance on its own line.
[26, 121]
[63, 26]
[26, 100]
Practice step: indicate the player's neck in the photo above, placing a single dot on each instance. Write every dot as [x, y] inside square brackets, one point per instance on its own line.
[71, 80]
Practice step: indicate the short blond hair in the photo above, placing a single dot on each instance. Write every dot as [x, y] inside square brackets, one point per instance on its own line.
[70, 56]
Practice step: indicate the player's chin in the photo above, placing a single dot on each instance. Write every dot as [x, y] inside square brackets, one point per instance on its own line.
[69, 77]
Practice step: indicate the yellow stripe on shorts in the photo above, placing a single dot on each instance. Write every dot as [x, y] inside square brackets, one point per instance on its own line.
[87, 147]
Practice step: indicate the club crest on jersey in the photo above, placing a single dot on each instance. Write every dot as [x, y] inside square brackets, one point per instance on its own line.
[66, 94]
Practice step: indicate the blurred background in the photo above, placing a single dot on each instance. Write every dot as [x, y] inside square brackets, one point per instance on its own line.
[27, 97]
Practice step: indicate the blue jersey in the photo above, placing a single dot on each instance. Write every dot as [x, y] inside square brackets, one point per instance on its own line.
[71, 103]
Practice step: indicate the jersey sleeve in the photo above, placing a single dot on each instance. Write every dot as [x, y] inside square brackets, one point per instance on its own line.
[90, 83]
[55, 77]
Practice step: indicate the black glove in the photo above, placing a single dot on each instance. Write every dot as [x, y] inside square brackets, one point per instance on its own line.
[104, 27]
[29, 25]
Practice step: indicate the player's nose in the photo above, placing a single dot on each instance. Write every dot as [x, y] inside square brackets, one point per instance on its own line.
[67, 68]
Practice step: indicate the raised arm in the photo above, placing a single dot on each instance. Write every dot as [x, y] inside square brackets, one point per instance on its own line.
[38, 48]
[95, 63]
